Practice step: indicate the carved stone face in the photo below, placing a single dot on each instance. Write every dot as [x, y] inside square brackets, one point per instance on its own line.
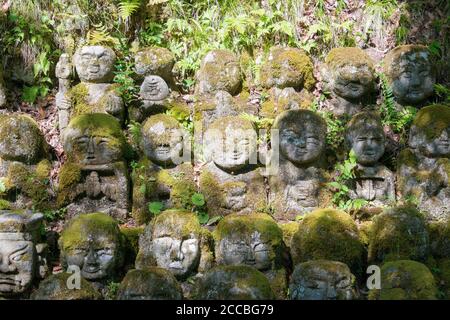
[231, 142]
[17, 261]
[63, 68]
[251, 251]
[96, 149]
[302, 194]
[95, 63]
[322, 280]
[154, 88]
[368, 147]
[301, 144]
[162, 139]
[438, 147]
[353, 83]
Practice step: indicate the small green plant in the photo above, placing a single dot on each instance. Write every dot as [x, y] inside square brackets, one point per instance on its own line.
[54, 215]
[111, 290]
[183, 118]
[134, 128]
[2, 186]
[442, 92]
[198, 202]
[155, 207]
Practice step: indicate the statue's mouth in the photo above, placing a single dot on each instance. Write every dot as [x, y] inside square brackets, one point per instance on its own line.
[8, 280]
[94, 69]
[91, 270]
[162, 150]
[176, 265]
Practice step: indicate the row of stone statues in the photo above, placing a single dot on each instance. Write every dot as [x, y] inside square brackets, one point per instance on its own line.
[245, 257]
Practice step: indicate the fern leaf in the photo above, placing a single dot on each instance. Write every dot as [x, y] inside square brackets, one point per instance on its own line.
[128, 7]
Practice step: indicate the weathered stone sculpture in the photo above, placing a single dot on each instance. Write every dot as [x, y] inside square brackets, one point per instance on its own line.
[349, 75]
[19, 252]
[322, 280]
[424, 168]
[230, 181]
[296, 188]
[24, 169]
[328, 234]
[174, 240]
[93, 243]
[219, 70]
[151, 284]
[397, 234]
[257, 241]
[410, 73]
[94, 178]
[155, 61]
[234, 283]
[64, 73]
[165, 173]
[95, 93]
[373, 181]
[55, 288]
[405, 280]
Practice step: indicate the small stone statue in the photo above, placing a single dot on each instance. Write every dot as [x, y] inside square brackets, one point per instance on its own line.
[374, 182]
[95, 177]
[95, 93]
[19, 252]
[234, 283]
[93, 243]
[424, 168]
[153, 283]
[64, 74]
[231, 181]
[257, 241]
[296, 189]
[322, 280]
[174, 240]
[24, 169]
[164, 173]
[349, 75]
[410, 74]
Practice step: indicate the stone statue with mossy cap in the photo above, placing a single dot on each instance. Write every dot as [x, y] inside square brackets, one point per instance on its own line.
[299, 184]
[231, 180]
[257, 241]
[95, 93]
[174, 240]
[164, 175]
[373, 181]
[349, 76]
[21, 255]
[95, 177]
[24, 164]
[424, 167]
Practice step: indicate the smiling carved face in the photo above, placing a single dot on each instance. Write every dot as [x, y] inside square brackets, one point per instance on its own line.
[438, 147]
[301, 145]
[368, 146]
[95, 63]
[353, 83]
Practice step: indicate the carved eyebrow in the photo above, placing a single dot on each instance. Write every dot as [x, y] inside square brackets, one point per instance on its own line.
[19, 251]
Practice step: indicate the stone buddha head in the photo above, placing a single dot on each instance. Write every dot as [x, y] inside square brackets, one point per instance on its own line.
[21, 139]
[171, 241]
[430, 131]
[365, 136]
[95, 64]
[302, 136]
[163, 139]
[410, 73]
[92, 242]
[349, 73]
[154, 88]
[254, 240]
[18, 255]
[231, 143]
[94, 139]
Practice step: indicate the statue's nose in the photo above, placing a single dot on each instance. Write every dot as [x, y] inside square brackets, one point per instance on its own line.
[6, 266]
[91, 258]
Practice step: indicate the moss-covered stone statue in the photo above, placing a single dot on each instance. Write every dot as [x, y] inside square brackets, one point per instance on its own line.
[155, 61]
[95, 93]
[151, 284]
[349, 75]
[219, 70]
[373, 181]
[174, 240]
[24, 165]
[93, 243]
[405, 280]
[64, 73]
[164, 174]
[410, 73]
[328, 234]
[424, 167]
[234, 283]
[398, 234]
[299, 184]
[257, 241]
[322, 280]
[55, 288]
[231, 181]
[20, 251]
[94, 178]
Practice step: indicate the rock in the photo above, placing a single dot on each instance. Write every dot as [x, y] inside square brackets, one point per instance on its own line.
[234, 283]
[322, 280]
[150, 284]
[405, 280]
[155, 61]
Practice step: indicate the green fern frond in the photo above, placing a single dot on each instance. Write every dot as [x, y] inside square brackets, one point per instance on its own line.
[128, 7]
[100, 35]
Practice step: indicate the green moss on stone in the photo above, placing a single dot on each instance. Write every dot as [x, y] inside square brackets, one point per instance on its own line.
[339, 57]
[432, 120]
[69, 176]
